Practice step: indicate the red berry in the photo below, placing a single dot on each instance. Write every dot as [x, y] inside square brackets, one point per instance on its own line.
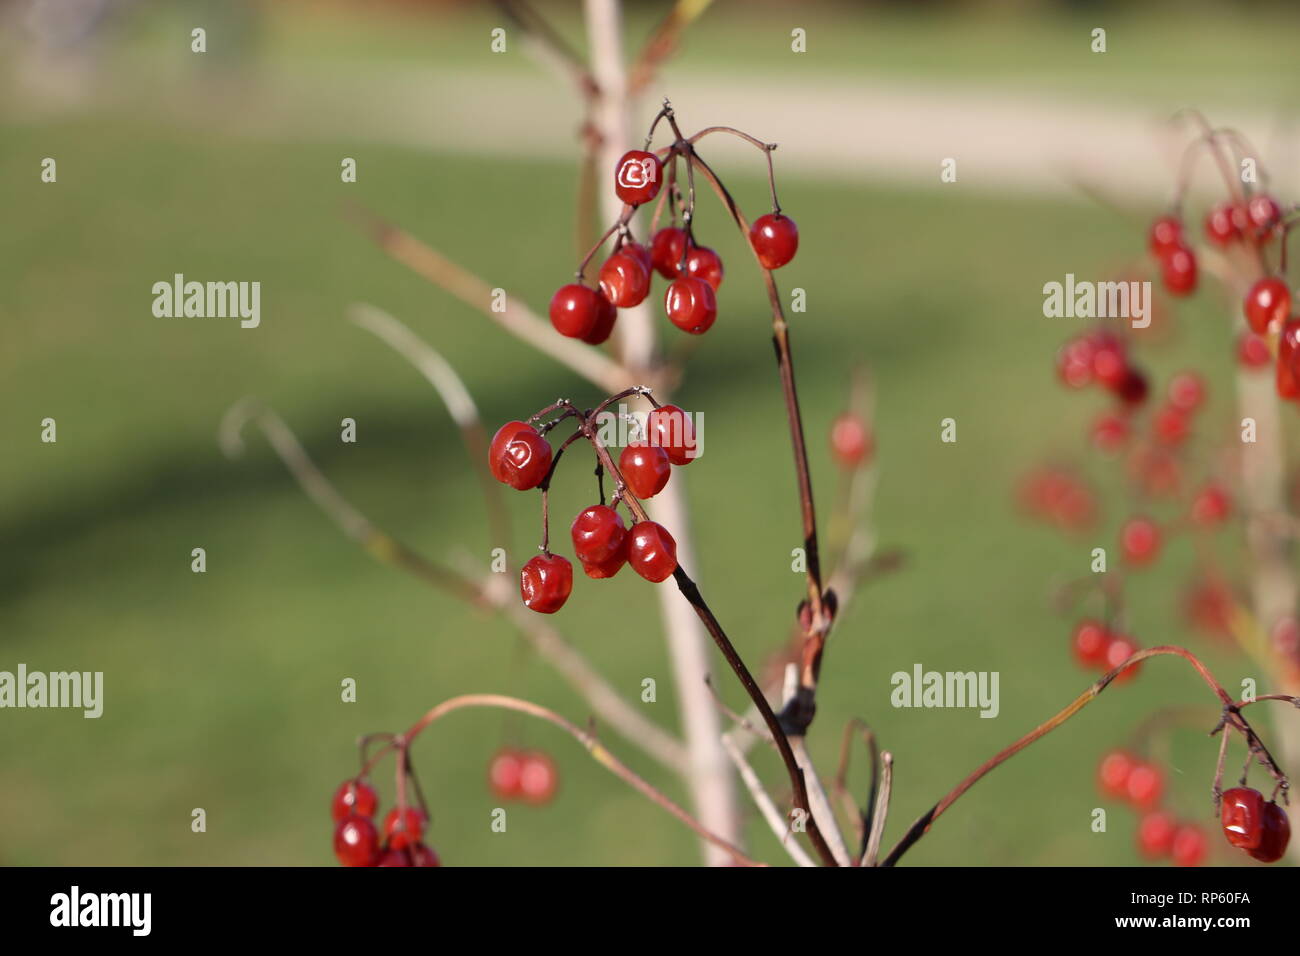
[537, 778]
[1140, 540]
[637, 177]
[1133, 389]
[405, 829]
[422, 855]
[1277, 834]
[775, 239]
[1170, 425]
[1288, 360]
[354, 796]
[1220, 224]
[645, 467]
[1211, 505]
[1145, 785]
[545, 583]
[1113, 774]
[1186, 391]
[640, 253]
[607, 568]
[392, 857]
[355, 841]
[1156, 834]
[1252, 351]
[691, 305]
[1074, 361]
[1166, 232]
[1110, 432]
[574, 310]
[703, 263]
[1089, 643]
[1264, 214]
[1189, 846]
[411, 855]
[1241, 812]
[1119, 650]
[518, 456]
[670, 428]
[651, 551]
[666, 251]
[624, 280]
[598, 535]
[1109, 363]
[851, 441]
[503, 773]
[1178, 270]
[605, 318]
[1267, 302]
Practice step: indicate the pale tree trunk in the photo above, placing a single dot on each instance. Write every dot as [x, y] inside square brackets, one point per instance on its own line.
[710, 780]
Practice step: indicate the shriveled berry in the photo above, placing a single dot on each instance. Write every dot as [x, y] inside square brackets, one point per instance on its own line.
[518, 456]
[1276, 836]
[670, 428]
[645, 467]
[356, 842]
[691, 305]
[637, 177]
[545, 582]
[624, 280]
[775, 239]
[574, 310]
[354, 796]
[651, 551]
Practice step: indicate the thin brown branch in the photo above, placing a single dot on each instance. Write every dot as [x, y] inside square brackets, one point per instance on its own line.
[588, 740]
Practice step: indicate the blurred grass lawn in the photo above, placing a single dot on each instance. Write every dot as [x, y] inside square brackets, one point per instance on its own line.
[222, 688]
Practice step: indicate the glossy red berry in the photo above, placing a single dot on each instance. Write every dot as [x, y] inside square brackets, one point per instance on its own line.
[1074, 361]
[666, 251]
[651, 551]
[1109, 363]
[1120, 649]
[574, 310]
[1276, 835]
[356, 842]
[775, 239]
[1264, 214]
[1186, 391]
[851, 441]
[1221, 225]
[423, 855]
[607, 568]
[1178, 271]
[518, 456]
[1252, 351]
[624, 280]
[640, 253]
[598, 535]
[1241, 812]
[645, 467]
[1110, 432]
[1190, 846]
[1113, 773]
[606, 316]
[504, 771]
[691, 305]
[703, 263]
[1089, 643]
[411, 855]
[354, 796]
[638, 176]
[1140, 540]
[1156, 834]
[1268, 302]
[1145, 785]
[1166, 233]
[670, 428]
[1211, 505]
[545, 582]
[1288, 360]
[403, 830]
[391, 857]
[538, 778]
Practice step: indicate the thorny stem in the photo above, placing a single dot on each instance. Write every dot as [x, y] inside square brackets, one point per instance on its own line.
[1231, 718]
[584, 737]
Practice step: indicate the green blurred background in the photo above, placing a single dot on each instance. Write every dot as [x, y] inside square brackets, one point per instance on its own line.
[222, 689]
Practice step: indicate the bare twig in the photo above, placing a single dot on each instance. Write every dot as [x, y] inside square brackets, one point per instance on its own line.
[880, 811]
[779, 826]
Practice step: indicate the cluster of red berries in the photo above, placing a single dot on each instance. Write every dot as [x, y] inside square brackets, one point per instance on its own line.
[1122, 776]
[520, 457]
[694, 272]
[357, 841]
[1097, 647]
[1099, 356]
[527, 775]
[1261, 829]
[1058, 496]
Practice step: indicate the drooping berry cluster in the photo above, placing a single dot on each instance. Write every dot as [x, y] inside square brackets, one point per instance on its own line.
[1249, 823]
[694, 272]
[526, 775]
[357, 841]
[1101, 648]
[1141, 785]
[520, 457]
